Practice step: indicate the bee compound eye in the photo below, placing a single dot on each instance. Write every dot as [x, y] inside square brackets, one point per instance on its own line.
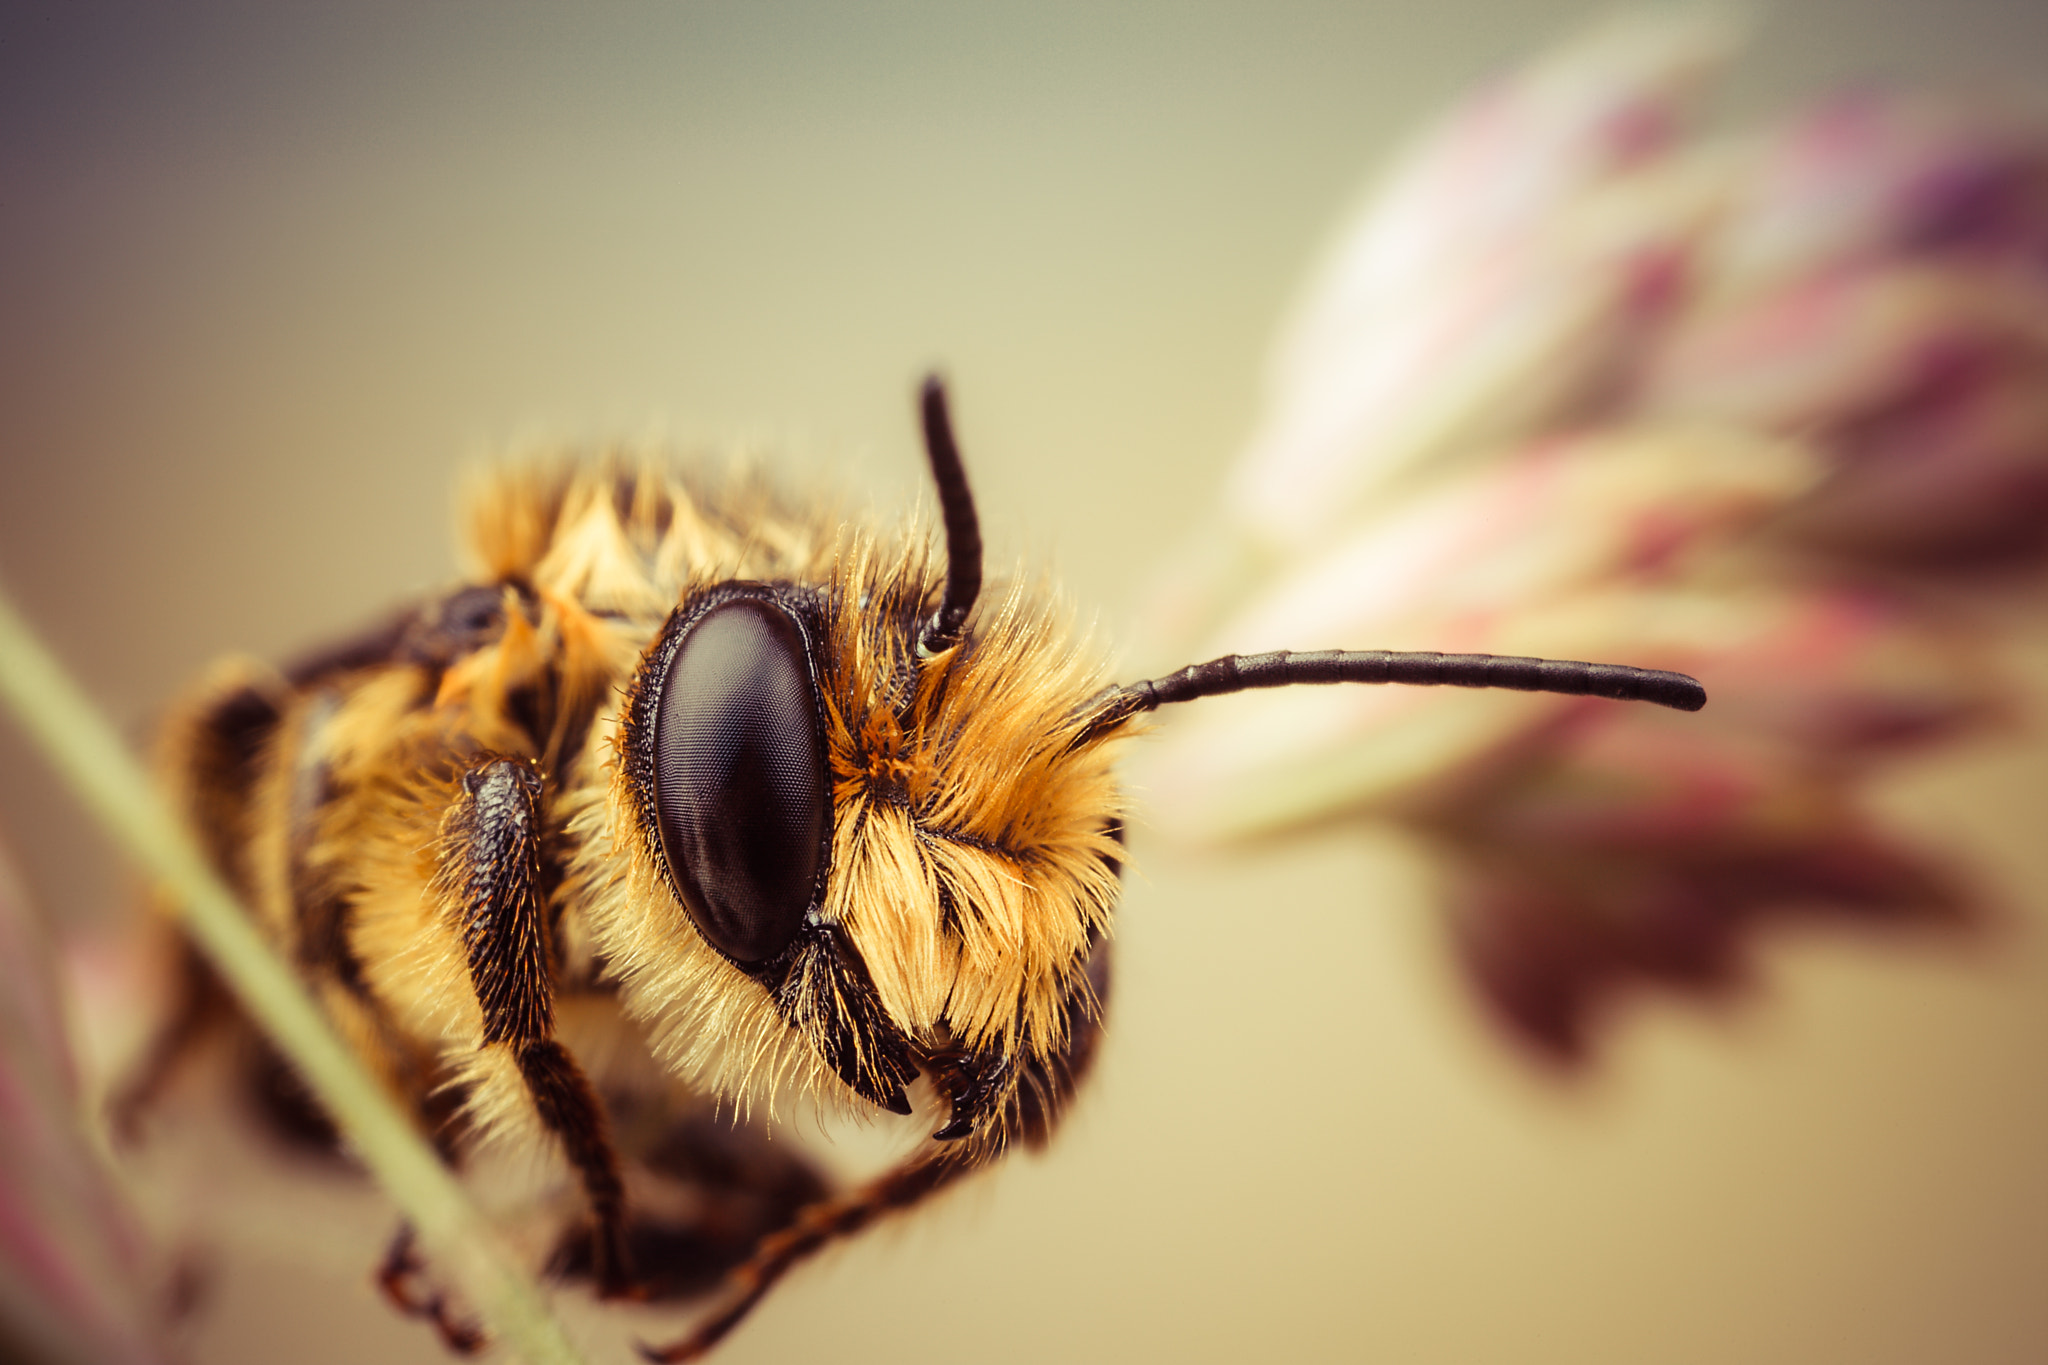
[740, 777]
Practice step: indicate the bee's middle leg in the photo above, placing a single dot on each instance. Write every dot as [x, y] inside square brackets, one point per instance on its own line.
[490, 865]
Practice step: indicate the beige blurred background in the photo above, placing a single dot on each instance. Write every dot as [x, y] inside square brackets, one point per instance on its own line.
[270, 275]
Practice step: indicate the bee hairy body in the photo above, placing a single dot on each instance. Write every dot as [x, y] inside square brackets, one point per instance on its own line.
[699, 797]
[453, 827]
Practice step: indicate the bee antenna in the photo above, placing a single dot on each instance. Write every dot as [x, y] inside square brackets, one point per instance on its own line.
[1286, 668]
[963, 528]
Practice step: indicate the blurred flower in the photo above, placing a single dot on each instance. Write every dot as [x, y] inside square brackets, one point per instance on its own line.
[1582, 385]
[1502, 271]
[1879, 287]
[71, 1258]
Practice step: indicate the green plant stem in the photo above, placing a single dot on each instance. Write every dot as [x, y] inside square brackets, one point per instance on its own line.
[82, 745]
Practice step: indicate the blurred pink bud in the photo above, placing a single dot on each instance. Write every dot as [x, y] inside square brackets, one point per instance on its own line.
[1579, 386]
[1880, 290]
[1874, 176]
[1646, 850]
[1560, 516]
[1488, 284]
[1952, 475]
[1548, 943]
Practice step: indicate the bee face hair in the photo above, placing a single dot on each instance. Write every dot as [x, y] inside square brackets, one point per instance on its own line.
[968, 859]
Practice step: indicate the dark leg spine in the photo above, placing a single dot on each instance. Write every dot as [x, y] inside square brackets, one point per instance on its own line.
[490, 865]
[1029, 1113]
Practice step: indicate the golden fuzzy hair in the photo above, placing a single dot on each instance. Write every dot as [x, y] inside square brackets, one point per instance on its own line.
[973, 853]
[973, 847]
[458, 825]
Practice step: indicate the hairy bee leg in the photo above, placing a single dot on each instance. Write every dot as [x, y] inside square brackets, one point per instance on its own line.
[398, 1277]
[713, 1190]
[1030, 1112]
[572, 1111]
[197, 1007]
[816, 1226]
[491, 862]
[1033, 1109]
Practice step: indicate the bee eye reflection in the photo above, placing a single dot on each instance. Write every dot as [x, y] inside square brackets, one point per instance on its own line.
[740, 769]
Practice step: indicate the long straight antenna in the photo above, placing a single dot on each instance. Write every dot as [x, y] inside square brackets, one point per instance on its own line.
[963, 528]
[1286, 668]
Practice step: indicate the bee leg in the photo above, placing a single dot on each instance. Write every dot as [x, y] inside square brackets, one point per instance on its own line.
[712, 1192]
[570, 1109]
[197, 1007]
[401, 1276]
[1031, 1110]
[933, 1168]
[490, 863]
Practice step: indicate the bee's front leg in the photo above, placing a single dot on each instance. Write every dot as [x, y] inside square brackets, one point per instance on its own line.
[490, 871]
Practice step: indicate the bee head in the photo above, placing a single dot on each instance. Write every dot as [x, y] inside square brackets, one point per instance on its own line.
[864, 835]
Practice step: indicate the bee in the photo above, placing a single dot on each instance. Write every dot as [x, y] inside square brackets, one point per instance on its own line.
[746, 801]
